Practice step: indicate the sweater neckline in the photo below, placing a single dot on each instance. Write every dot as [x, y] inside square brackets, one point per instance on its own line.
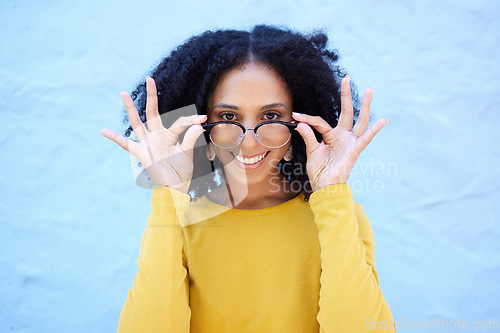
[205, 200]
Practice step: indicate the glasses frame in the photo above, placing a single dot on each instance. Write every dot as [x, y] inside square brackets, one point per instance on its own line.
[208, 128]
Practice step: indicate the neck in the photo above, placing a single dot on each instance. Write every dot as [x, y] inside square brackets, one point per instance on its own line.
[236, 194]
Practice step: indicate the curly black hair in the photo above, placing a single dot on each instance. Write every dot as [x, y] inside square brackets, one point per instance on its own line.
[191, 72]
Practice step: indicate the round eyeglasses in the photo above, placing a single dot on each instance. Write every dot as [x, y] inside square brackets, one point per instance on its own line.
[229, 134]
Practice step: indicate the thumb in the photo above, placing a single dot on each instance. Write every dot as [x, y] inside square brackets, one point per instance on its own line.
[308, 135]
[190, 138]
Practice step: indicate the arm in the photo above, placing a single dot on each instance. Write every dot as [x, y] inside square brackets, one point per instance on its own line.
[365, 234]
[159, 298]
[350, 297]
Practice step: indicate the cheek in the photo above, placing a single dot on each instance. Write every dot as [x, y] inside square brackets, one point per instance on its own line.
[277, 154]
[221, 153]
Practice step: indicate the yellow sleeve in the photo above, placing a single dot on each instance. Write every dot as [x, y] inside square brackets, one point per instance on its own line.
[365, 234]
[159, 298]
[350, 297]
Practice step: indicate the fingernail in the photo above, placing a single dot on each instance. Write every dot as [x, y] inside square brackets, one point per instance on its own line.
[348, 78]
[297, 114]
[386, 121]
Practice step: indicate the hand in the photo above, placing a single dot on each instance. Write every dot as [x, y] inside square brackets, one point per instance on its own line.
[331, 161]
[167, 162]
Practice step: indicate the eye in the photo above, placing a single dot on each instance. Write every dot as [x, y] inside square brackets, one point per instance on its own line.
[272, 116]
[227, 116]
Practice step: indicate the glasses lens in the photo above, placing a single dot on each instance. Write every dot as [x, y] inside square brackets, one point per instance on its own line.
[226, 135]
[273, 135]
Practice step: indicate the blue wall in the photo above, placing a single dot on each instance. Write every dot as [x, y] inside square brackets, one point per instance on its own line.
[71, 216]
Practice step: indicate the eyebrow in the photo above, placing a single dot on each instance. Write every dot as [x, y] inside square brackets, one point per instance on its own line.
[233, 107]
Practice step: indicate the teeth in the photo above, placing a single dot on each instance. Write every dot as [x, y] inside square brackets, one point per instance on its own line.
[249, 160]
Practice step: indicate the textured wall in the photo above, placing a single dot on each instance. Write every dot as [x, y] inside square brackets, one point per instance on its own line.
[71, 215]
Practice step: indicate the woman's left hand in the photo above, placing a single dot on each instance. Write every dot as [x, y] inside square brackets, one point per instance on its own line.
[331, 161]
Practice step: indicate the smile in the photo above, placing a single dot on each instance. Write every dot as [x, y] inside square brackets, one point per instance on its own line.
[251, 160]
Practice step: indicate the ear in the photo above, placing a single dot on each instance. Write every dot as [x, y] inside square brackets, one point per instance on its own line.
[289, 154]
[211, 153]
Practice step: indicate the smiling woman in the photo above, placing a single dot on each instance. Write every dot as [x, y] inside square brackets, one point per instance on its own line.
[278, 244]
[251, 96]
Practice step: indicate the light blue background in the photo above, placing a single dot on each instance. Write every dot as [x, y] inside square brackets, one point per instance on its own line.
[72, 217]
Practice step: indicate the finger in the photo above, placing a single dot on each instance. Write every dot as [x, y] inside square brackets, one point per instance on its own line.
[182, 123]
[152, 117]
[315, 121]
[127, 144]
[133, 116]
[346, 113]
[192, 135]
[364, 112]
[308, 135]
[366, 138]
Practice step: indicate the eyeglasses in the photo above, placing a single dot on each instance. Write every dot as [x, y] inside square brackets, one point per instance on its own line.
[229, 134]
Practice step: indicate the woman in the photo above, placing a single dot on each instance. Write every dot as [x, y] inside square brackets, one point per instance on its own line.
[277, 244]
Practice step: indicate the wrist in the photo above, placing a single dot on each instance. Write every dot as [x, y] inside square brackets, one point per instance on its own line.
[179, 187]
[319, 186]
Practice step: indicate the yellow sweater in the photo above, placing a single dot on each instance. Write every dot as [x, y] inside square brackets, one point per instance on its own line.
[296, 267]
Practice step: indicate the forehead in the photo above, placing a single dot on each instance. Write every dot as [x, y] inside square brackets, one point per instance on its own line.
[250, 86]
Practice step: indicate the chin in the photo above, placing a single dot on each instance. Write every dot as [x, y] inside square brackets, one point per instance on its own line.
[253, 173]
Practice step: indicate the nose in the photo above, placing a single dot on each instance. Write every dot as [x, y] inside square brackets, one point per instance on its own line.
[249, 140]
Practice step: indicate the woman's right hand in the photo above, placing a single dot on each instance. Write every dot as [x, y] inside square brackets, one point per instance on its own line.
[167, 162]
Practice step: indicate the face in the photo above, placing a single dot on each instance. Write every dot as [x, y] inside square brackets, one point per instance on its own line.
[250, 95]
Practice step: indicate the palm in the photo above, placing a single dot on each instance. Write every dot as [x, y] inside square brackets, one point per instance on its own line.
[335, 154]
[163, 158]
[167, 161]
[331, 161]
